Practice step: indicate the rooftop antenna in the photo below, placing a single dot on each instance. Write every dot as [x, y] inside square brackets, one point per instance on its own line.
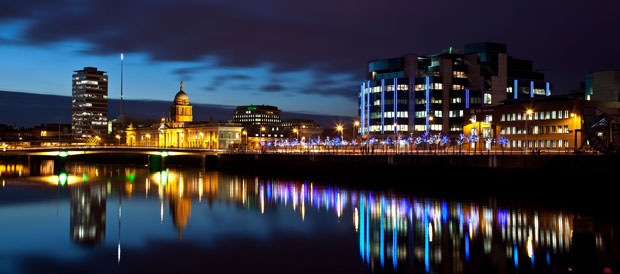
[121, 84]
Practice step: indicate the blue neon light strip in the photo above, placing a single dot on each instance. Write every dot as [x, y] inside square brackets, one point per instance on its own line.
[362, 108]
[368, 107]
[515, 90]
[547, 90]
[382, 106]
[395, 105]
[467, 98]
[531, 89]
[428, 100]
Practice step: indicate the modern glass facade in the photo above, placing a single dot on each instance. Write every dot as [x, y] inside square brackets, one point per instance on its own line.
[415, 94]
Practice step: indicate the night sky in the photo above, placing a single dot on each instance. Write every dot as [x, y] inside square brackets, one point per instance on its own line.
[300, 55]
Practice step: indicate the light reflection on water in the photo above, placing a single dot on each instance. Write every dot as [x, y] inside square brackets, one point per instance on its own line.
[123, 206]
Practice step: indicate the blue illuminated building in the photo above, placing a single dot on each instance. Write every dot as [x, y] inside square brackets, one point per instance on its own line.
[400, 95]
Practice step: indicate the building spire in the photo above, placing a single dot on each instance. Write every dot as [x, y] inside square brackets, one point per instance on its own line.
[181, 85]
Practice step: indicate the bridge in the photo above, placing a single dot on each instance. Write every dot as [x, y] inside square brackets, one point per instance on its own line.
[64, 151]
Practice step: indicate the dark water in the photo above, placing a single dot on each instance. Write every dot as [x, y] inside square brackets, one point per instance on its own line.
[117, 219]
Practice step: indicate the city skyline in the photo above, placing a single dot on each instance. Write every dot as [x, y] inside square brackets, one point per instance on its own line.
[252, 56]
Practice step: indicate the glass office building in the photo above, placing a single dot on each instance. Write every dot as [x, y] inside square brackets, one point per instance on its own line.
[89, 111]
[414, 94]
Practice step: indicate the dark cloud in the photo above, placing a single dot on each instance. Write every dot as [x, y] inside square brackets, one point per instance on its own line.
[567, 37]
[272, 88]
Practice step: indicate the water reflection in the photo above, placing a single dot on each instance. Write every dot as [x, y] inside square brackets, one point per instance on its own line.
[393, 232]
[88, 211]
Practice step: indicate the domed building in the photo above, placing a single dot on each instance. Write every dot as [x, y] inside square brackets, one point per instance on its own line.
[180, 130]
[181, 111]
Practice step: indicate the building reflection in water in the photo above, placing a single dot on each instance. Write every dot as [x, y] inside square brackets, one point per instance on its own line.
[393, 232]
[88, 212]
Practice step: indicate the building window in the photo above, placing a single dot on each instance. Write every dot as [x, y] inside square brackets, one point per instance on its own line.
[503, 118]
[487, 99]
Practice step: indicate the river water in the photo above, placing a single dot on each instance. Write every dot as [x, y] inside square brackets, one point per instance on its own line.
[125, 219]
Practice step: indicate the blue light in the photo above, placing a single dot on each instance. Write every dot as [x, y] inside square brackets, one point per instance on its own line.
[368, 107]
[362, 210]
[548, 258]
[395, 104]
[515, 89]
[467, 98]
[426, 245]
[367, 235]
[394, 240]
[444, 211]
[382, 244]
[531, 89]
[362, 107]
[467, 246]
[547, 89]
[516, 256]
[382, 106]
[428, 100]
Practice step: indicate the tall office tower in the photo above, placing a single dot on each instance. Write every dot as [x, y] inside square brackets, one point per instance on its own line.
[89, 111]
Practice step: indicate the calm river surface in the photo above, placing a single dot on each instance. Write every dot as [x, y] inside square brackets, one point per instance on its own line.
[127, 219]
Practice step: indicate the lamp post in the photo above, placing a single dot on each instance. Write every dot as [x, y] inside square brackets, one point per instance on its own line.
[528, 114]
[245, 133]
[118, 137]
[262, 129]
[574, 130]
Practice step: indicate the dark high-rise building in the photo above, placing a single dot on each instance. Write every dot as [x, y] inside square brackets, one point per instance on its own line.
[603, 86]
[413, 94]
[89, 112]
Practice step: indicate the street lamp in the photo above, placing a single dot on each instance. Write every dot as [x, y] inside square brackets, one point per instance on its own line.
[574, 116]
[245, 133]
[118, 137]
[339, 128]
[529, 114]
[356, 125]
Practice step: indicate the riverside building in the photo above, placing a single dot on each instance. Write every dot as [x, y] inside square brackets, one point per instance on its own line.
[560, 123]
[89, 107]
[412, 94]
[181, 131]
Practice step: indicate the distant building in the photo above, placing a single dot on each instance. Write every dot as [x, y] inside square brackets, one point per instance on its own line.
[89, 111]
[180, 131]
[412, 94]
[603, 86]
[305, 129]
[257, 115]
